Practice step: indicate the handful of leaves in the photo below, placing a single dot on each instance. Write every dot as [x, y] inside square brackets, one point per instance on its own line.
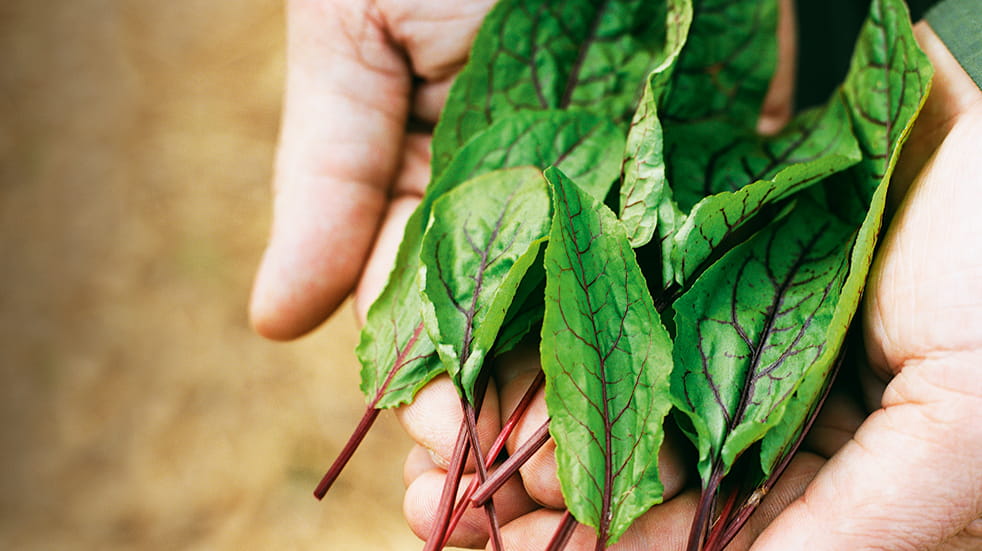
[754, 249]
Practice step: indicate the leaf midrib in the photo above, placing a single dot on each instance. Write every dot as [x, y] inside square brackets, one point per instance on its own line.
[750, 382]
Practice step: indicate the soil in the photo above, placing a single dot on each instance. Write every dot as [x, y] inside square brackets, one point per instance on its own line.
[139, 410]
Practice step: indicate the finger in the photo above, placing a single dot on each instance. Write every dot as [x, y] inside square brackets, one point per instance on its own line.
[429, 99]
[779, 101]
[437, 35]
[911, 478]
[434, 418]
[343, 123]
[925, 287]
[540, 473]
[969, 540]
[422, 502]
[418, 461]
[664, 527]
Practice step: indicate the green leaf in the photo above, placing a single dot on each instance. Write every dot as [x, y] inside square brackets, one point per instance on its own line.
[752, 325]
[734, 174]
[482, 238]
[725, 69]
[757, 173]
[580, 143]
[887, 85]
[643, 185]
[719, 83]
[543, 55]
[526, 310]
[607, 358]
[397, 355]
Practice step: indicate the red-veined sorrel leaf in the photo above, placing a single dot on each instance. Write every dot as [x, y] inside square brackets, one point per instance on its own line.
[742, 175]
[886, 87]
[526, 310]
[482, 238]
[751, 326]
[815, 145]
[542, 55]
[887, 83]
[725, 68]
[584, 144]
[734, 173]
[606, 357]
[643, 186]
[720, 78]
[397, 355]
[579, 142]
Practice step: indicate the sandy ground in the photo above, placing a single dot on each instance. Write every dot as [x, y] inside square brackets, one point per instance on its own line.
[138, 409]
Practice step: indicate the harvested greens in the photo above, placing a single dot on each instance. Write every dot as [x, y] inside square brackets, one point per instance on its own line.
[582, 130]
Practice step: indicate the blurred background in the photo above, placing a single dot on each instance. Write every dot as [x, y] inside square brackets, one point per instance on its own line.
[138, 409]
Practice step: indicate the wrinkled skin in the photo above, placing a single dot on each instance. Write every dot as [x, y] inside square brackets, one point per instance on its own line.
[902, 471]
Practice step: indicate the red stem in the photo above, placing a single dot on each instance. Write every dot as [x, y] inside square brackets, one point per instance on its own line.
[367, 420]
[511, 465]
[700, 522]
[724, 515]
[732, 526]
[565, 531]
[470, 418]
[499, 444]
[454, 471]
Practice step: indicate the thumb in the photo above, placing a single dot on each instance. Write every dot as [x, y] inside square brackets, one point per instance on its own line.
[343, 124]
[911, 478]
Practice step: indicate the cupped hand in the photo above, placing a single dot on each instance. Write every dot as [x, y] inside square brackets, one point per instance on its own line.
[910, 477]
[349, 171]
[903, 471]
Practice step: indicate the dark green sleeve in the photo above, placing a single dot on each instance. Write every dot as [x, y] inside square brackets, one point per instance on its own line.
[959, 25]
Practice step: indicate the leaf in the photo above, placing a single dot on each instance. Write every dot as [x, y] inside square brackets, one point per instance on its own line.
[725, 69]
[815, 145]
[545, 55]
[526, 310]
[482, 238]
[886, 87]
[606, 357]
[397, 355]
[643, 184]
[751, 327]
[578, 142]
[745, 177]
[734, 174]
[719, 83]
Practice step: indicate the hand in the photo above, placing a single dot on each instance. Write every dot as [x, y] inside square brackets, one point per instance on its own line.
[348, 172]
[911, 475]
[906, 476]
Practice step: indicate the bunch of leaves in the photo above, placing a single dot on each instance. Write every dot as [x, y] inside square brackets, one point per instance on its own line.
[761, 247]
